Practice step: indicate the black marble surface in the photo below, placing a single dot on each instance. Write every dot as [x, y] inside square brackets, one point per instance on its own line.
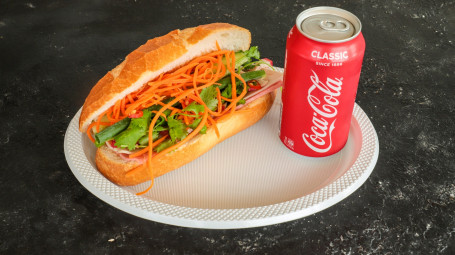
[52, 52]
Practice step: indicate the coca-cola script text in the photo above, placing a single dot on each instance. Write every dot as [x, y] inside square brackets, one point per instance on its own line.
[324, 112]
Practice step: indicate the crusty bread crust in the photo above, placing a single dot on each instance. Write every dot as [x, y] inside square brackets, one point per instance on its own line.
[159, 55]
[115, 168]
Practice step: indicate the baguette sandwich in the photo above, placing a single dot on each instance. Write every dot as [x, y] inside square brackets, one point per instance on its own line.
[174, 98]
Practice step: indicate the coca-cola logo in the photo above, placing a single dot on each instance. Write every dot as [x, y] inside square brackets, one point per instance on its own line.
[324, 113]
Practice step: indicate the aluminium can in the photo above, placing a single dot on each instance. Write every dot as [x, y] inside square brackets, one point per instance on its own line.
[324, 53]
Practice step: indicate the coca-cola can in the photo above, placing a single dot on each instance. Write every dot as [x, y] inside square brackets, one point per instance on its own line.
[324, 53]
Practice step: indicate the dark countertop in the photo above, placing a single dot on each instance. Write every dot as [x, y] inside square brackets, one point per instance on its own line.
[52, 52]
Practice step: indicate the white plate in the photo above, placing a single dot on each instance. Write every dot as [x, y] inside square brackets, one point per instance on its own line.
[249, 180]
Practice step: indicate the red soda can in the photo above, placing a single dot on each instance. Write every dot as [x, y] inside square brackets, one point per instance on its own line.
[324, 53]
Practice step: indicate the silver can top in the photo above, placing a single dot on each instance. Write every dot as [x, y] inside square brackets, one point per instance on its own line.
[328, 24]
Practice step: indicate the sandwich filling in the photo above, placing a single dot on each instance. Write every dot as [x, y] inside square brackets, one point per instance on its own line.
[176, 106]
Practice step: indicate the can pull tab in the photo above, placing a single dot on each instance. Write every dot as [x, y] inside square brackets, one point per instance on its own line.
[333, 26]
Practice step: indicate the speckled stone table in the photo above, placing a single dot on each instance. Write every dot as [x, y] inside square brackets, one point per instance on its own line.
[52, 52]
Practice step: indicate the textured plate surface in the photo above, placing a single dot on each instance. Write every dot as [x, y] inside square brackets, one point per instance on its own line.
[249, 180]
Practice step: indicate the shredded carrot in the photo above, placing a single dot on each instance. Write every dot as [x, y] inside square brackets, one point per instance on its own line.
[226, 99]
[130, 99]
[122, 106]
[98, 123]
[106, 123]
[231, 68]
[184, 85]
[152, 181]
[175, 111]
[162, 114]
[218, 96]
[89, 131]
[217, 45]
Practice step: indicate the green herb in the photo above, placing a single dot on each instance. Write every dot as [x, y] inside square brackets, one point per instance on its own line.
[253, 52]
[224, 82]
[164, 145]
[177, 129]
[203, 130]
[227, 93]
[195, 107]
[253, 75]
[137, 128]
[253, 64]
[144, 141]
[196, 123]
[208, 95]
[155, 135]
[244, 58]
[161, 123]
[111, 131]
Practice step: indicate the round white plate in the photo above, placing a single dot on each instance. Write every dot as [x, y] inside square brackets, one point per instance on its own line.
[249, 180]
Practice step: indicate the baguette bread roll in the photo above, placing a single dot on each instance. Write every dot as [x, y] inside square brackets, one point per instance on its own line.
[159, 55]
[114, 168]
